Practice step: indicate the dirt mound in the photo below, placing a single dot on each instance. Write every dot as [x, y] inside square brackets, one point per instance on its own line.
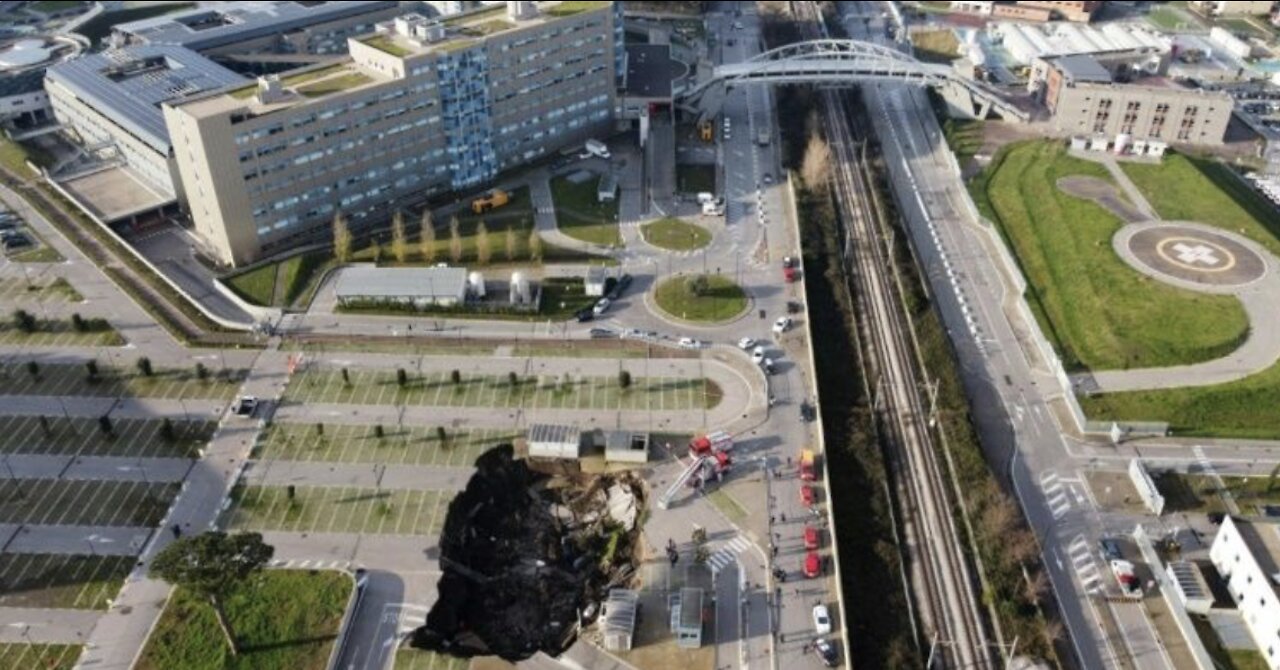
[523, 554]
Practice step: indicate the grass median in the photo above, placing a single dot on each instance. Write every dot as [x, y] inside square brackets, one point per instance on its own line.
[674, 234]
[1101, 313]
[701, 298]
[283, 620]
[581, 216]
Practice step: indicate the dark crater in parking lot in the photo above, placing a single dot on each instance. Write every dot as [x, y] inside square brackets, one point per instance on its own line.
[524, 552]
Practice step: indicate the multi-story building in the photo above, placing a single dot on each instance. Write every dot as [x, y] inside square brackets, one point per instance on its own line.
[1080, 10]
[1244, 553]
[1233, 7]
[1083, 100]
[423, 106]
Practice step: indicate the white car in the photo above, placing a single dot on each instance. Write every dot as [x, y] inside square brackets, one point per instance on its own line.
[746, 344]
[821, 620]
[757, 355]
[782, 325]
[601, 307]
[690, 343]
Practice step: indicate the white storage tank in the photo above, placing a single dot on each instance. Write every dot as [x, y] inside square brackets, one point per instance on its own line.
[519, 288]
[475, 284]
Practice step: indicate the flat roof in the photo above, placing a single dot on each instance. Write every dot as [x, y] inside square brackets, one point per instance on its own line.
[649, 70]
[116, 192]
[374, 282]
[550, 432]
[128, 85]
[1081, 67]
[472, 27]
[1263, 540]
[690, 608]
[228, 23]
[29, 81]
[620, 610]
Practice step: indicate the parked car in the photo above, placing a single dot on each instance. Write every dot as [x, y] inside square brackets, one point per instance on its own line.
[602, 333]
[690, 343]
[15, 241]
[827, 652]
[585, 314]
[601, 306]
[746, 344]
[807, 411]
[246, 405]
[1111, 549]
[812, 565]
[757, 355]
[807, 496]
[821, 619]
[768, 179]
[812, 540]
[619, 287]
[782, 325]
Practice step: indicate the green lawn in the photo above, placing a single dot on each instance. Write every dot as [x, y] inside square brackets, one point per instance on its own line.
[42, 656]
[284, 282]
[100, 26]
[936, 46]
[695, 178]
[408, 658]
[580, 216]
[58, 333]
[1196, 189]
[1101, 313]
[675, 235]
[51, 6]
[964, 137]
[338, 509]
[1171, 19]
[258, 285]
[15, 156]
[722, 300]
[282, 619]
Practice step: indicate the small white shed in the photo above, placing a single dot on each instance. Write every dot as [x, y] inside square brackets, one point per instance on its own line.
[554, 441]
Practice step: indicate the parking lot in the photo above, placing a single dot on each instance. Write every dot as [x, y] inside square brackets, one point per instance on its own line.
[340, 509]
[399, 445]
[135, 438]
[84, 503]
[61, 580]
[51, 656]
[530, 392]
[73, 380]
[13, 290]
[16, 239]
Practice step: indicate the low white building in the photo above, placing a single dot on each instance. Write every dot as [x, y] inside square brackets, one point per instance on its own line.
[1244, 553]
[419, 287]
[554, 441]
[1222, 38]
[594, 282]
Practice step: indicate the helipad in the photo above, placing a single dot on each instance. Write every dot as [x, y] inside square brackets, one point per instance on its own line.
[1196, 255]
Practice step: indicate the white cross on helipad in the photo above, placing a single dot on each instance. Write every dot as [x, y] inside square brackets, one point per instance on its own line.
[1197, 255]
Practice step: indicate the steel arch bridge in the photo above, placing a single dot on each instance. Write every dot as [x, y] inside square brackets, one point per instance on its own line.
[838, 61]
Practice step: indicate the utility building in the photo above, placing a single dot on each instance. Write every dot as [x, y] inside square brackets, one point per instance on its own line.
[417, 287]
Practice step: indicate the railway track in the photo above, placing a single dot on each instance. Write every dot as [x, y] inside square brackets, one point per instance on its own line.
[948, 608]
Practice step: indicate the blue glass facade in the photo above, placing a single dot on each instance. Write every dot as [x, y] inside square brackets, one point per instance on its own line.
[464, 106]
[619, 45]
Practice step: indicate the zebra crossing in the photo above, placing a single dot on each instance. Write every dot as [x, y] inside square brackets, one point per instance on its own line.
[1085, 565]
[309, 564]
[728, 554]
[1056, 494]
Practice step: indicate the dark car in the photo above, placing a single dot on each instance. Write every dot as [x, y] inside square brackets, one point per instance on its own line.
[621, 286]
[807, 411]
[15, 241]
[1216, 518]
[1111, 549]
[602, 333]
[827, 652]
[584, 315]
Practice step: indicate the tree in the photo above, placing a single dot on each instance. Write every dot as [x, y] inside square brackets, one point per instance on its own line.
[23, 321]
[375, 250]
[44, 425]
[377, 431]
[319, 428]
[399, 239]
[91, 366]
[341, 239]
[33, 369]
[166, 430]
[512, 379]
[484, 247]
[535, 246]
[698, 285]
[77, 323]
[105, 425]
[346, 377]
[455, 241]
[202, 373]
[427, 237]
[512, 244]
[624, 379]
[816, 167]
[455, 377]
[441, 434]
[144, 366]
[212, 565]
[402, 377]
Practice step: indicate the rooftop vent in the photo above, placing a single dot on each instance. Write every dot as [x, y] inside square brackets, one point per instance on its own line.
[269, 89]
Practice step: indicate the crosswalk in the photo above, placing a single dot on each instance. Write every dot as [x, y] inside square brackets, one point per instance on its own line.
[1085, 565]
[1056, 494]
[728, 554]
[309, 564]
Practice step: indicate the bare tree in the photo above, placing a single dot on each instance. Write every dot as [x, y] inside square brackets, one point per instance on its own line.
[455, 241]
[341, 239]
[535, 246]
[427, 237]
[816, 168]
[512, 248]
[399, 239]
[484, 246]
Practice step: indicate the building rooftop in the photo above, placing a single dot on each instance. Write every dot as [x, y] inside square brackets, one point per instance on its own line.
[650, 70]
[549, 432]
[620, 611]
[414, 34]
[1263, 540]
[209, 27]
[690, 608]
[374, 282]
[1083, 68]
[128, 85]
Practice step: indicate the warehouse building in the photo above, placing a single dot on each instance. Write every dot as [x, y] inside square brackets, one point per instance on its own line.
[1083, 100]
[416, 287]
[422, 107]
[1244, 553]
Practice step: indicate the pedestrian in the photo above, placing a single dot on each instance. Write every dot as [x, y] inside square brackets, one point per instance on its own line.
[788, 461]
[771, 519]
[784, 517]
[177, 531]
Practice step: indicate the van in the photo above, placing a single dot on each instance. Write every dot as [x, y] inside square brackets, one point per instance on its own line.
[704, 198]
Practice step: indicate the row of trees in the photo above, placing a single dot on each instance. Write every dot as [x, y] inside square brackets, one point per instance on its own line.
[400, 245]
[26, 322]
